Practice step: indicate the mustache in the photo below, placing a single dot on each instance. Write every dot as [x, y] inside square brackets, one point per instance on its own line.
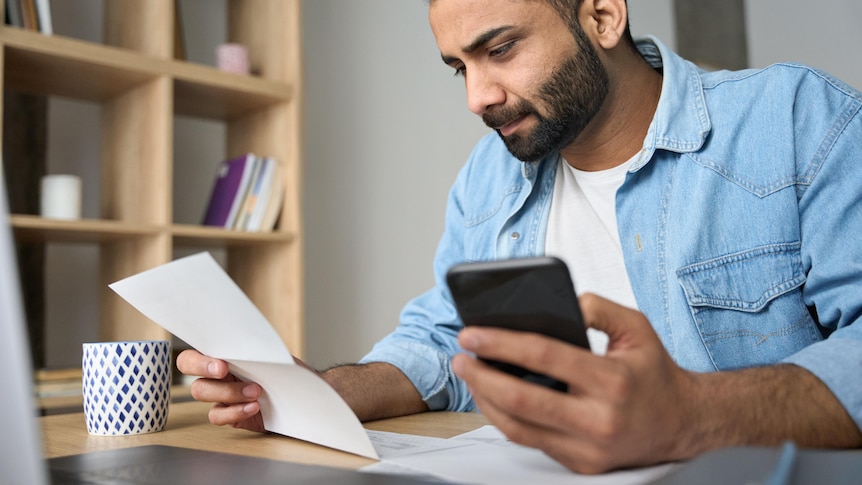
[503, 115]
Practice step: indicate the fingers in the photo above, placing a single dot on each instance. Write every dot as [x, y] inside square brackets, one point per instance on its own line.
[192, 363]
[244, 415]
[519, 399]
[565, 428]
[229, 390]
[625, 327]
[235, 402]
[217, 384]
[573, 450]
[554, 358]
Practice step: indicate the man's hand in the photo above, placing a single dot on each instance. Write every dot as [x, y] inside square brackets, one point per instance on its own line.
[623, 409]
[234, 402]
[635, 406]
[373, 391]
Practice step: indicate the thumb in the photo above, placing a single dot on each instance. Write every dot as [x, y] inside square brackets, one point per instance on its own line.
[622, 324]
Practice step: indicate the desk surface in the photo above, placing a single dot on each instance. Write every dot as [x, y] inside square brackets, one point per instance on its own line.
[188, 427]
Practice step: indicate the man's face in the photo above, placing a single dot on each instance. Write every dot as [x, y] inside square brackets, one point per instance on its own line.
[526, 74]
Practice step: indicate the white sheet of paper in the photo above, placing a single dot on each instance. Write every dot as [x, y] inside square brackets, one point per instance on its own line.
[486, 456]
[390, 445]
[485, 463]
[194, 299]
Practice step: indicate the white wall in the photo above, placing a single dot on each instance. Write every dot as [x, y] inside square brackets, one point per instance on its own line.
[653, 17]
[825, 34]
[387, 130]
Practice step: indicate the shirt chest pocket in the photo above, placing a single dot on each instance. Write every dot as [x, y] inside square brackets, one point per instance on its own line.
[748, 306]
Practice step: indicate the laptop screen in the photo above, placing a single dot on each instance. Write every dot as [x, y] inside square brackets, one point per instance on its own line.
[20, 450]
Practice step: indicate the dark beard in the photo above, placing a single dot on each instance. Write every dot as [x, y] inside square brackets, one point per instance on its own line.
[573, 95]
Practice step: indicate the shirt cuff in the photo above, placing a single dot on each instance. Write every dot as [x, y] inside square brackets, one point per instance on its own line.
[837, 362]
[427, 368]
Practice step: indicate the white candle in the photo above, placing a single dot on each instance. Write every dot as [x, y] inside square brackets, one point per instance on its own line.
[61, 197]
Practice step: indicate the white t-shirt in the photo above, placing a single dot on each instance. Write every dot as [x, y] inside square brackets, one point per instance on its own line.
[582, 231]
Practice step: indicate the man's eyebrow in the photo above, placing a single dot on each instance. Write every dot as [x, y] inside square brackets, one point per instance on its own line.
[478, 42]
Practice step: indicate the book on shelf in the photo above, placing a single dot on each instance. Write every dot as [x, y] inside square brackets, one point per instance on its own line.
[29, 17]
[247, 194]
[233, 177]
[57, 383]
[269, 197]
[255, 220]
[43, 15]
[59, 388]
[250, 198]
[275, 198]
[263, 202]
[13, 13]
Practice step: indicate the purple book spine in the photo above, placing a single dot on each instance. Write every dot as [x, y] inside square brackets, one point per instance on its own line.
[227, 184]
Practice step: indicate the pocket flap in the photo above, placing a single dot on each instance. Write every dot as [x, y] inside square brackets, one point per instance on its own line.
[746, 280]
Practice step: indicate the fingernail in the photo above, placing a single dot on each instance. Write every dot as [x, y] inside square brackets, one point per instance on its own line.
[249, 391]
[212, 368]
[248, 408]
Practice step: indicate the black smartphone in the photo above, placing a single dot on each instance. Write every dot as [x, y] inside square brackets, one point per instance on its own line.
[528, 294]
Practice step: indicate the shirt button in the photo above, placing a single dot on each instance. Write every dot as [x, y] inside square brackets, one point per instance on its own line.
[516, 236]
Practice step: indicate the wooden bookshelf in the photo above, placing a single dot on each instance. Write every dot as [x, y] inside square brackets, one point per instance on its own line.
[140, 88]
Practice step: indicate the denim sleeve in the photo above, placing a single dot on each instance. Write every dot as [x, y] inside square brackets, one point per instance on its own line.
[830, 207]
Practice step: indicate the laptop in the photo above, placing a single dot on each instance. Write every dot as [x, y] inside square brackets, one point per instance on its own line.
[20, 451]
[21, 459]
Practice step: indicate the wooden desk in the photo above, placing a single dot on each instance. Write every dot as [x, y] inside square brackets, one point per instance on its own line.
[188, 427]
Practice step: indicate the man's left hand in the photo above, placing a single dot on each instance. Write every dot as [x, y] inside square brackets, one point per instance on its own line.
[627, 408]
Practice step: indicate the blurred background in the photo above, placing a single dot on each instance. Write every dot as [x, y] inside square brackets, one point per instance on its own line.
[386, 130]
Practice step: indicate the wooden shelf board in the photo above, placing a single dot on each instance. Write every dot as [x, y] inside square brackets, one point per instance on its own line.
[213, 237]
[38, 229]
[58, 66]
[52, 65]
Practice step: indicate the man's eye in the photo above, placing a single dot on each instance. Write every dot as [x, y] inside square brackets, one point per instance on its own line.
[499, 51]
[460, 71]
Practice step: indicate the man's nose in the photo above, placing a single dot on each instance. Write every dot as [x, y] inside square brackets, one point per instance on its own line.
[483, 92]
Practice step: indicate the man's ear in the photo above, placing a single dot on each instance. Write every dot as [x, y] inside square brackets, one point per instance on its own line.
[605, 21]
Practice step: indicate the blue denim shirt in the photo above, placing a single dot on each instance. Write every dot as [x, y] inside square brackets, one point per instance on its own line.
[740, 223]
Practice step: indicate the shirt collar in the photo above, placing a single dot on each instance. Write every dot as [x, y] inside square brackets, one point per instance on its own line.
[681, 122]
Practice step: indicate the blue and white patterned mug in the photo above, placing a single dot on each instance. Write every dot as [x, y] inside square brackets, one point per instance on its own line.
[127, 386]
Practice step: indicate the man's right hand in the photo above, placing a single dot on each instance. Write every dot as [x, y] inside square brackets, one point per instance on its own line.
[234, 401]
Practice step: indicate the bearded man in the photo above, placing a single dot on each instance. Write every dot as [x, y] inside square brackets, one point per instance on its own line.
[709, 221]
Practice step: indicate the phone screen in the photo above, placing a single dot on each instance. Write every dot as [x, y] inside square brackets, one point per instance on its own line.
[529, 295]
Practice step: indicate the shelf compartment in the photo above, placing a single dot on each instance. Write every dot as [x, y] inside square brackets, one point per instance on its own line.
[57, 66]
[51, 65]
[206, 92]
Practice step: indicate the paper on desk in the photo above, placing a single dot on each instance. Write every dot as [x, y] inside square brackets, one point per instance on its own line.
[486, 456]
[194, 299]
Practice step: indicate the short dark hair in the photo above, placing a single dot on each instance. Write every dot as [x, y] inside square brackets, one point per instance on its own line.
[568, 11]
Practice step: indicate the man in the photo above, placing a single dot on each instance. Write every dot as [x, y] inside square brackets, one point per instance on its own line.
[724, 207]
